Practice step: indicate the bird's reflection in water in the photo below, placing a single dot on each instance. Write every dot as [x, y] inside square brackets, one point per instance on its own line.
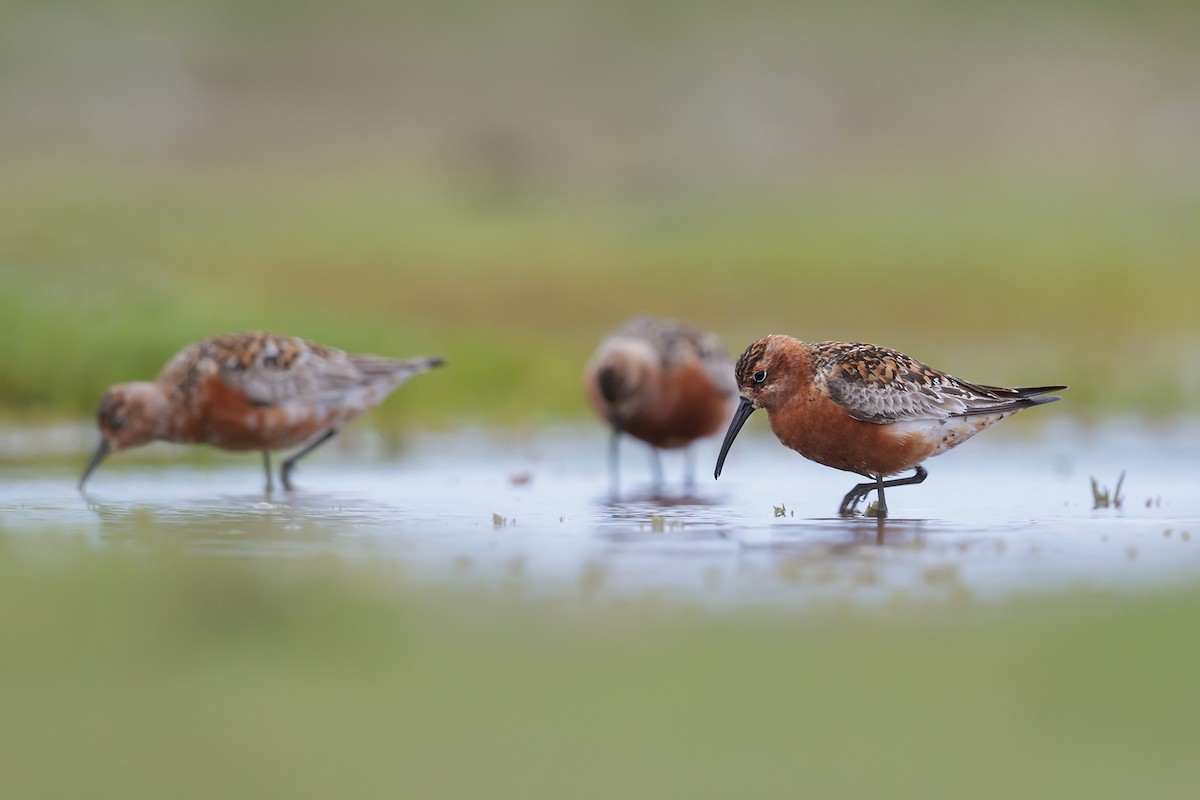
[840, 535]
[241, 524]
[656, 510]
[859, 553]
[838, 552]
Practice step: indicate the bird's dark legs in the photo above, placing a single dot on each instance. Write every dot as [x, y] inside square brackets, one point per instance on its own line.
[918, 476]
[656, 466]
[285, 473]
[858, 493]
[689, 467]
[267, 469]
[614, 460]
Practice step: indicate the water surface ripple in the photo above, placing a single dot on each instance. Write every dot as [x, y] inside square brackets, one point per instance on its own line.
[538, 517]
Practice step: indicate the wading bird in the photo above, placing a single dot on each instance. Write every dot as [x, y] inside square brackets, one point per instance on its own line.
[865, 409]
[663, 382]
[249, 391]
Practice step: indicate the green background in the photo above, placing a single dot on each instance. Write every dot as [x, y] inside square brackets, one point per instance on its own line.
[1005, 190]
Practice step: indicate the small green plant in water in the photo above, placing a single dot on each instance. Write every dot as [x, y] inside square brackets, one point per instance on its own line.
[872, 509]
[1102, 498]
[780, 510]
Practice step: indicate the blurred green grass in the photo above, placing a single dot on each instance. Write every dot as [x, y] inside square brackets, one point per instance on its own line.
[1090, 286]
[146, 672]
[1005, 191]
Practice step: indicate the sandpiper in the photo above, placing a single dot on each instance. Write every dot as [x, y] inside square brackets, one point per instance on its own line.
[249, 391]
[661, 381]
[865, 409]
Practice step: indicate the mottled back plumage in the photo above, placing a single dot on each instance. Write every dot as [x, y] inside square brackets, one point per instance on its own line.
[274, 370]
[878, 384]
[676, 342]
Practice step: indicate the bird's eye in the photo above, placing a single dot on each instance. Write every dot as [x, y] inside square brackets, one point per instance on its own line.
[116, 423]
[760, 376]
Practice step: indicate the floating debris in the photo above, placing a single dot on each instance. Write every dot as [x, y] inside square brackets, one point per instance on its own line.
[780, 510]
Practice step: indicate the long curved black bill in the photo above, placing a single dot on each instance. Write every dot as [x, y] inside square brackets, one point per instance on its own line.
[102, 451]
[744, 410]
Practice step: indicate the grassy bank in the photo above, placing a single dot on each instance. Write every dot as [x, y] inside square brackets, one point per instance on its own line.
[1092, 287]
[1006, 192]
[155, 674]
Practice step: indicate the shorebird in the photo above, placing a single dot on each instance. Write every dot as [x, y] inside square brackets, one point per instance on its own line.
[663, 382]
[865, 409]
[249, 391]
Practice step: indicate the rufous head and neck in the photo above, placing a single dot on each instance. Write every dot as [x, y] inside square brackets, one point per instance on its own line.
[129, 415]
[625, 380]
[769, 374]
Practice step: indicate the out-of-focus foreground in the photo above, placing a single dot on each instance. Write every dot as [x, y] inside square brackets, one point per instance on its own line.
[1009, 191]
[156, 675]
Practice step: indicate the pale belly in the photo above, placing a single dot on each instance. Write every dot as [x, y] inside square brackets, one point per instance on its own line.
[950, 433]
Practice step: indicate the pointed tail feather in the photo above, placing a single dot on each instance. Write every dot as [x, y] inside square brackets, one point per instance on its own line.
[1030, 391]
[1020, 391]
[1024, 397]
[376, 369]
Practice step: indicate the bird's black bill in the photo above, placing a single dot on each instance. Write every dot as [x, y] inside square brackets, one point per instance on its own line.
[744, 410]
[102, 451]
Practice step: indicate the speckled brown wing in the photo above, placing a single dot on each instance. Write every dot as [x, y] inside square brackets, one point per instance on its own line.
[678, 342]
[717, 364]
[273, 370]
[877, 384]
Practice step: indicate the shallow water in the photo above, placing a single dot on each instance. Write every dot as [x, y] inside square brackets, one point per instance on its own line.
[536, 516]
